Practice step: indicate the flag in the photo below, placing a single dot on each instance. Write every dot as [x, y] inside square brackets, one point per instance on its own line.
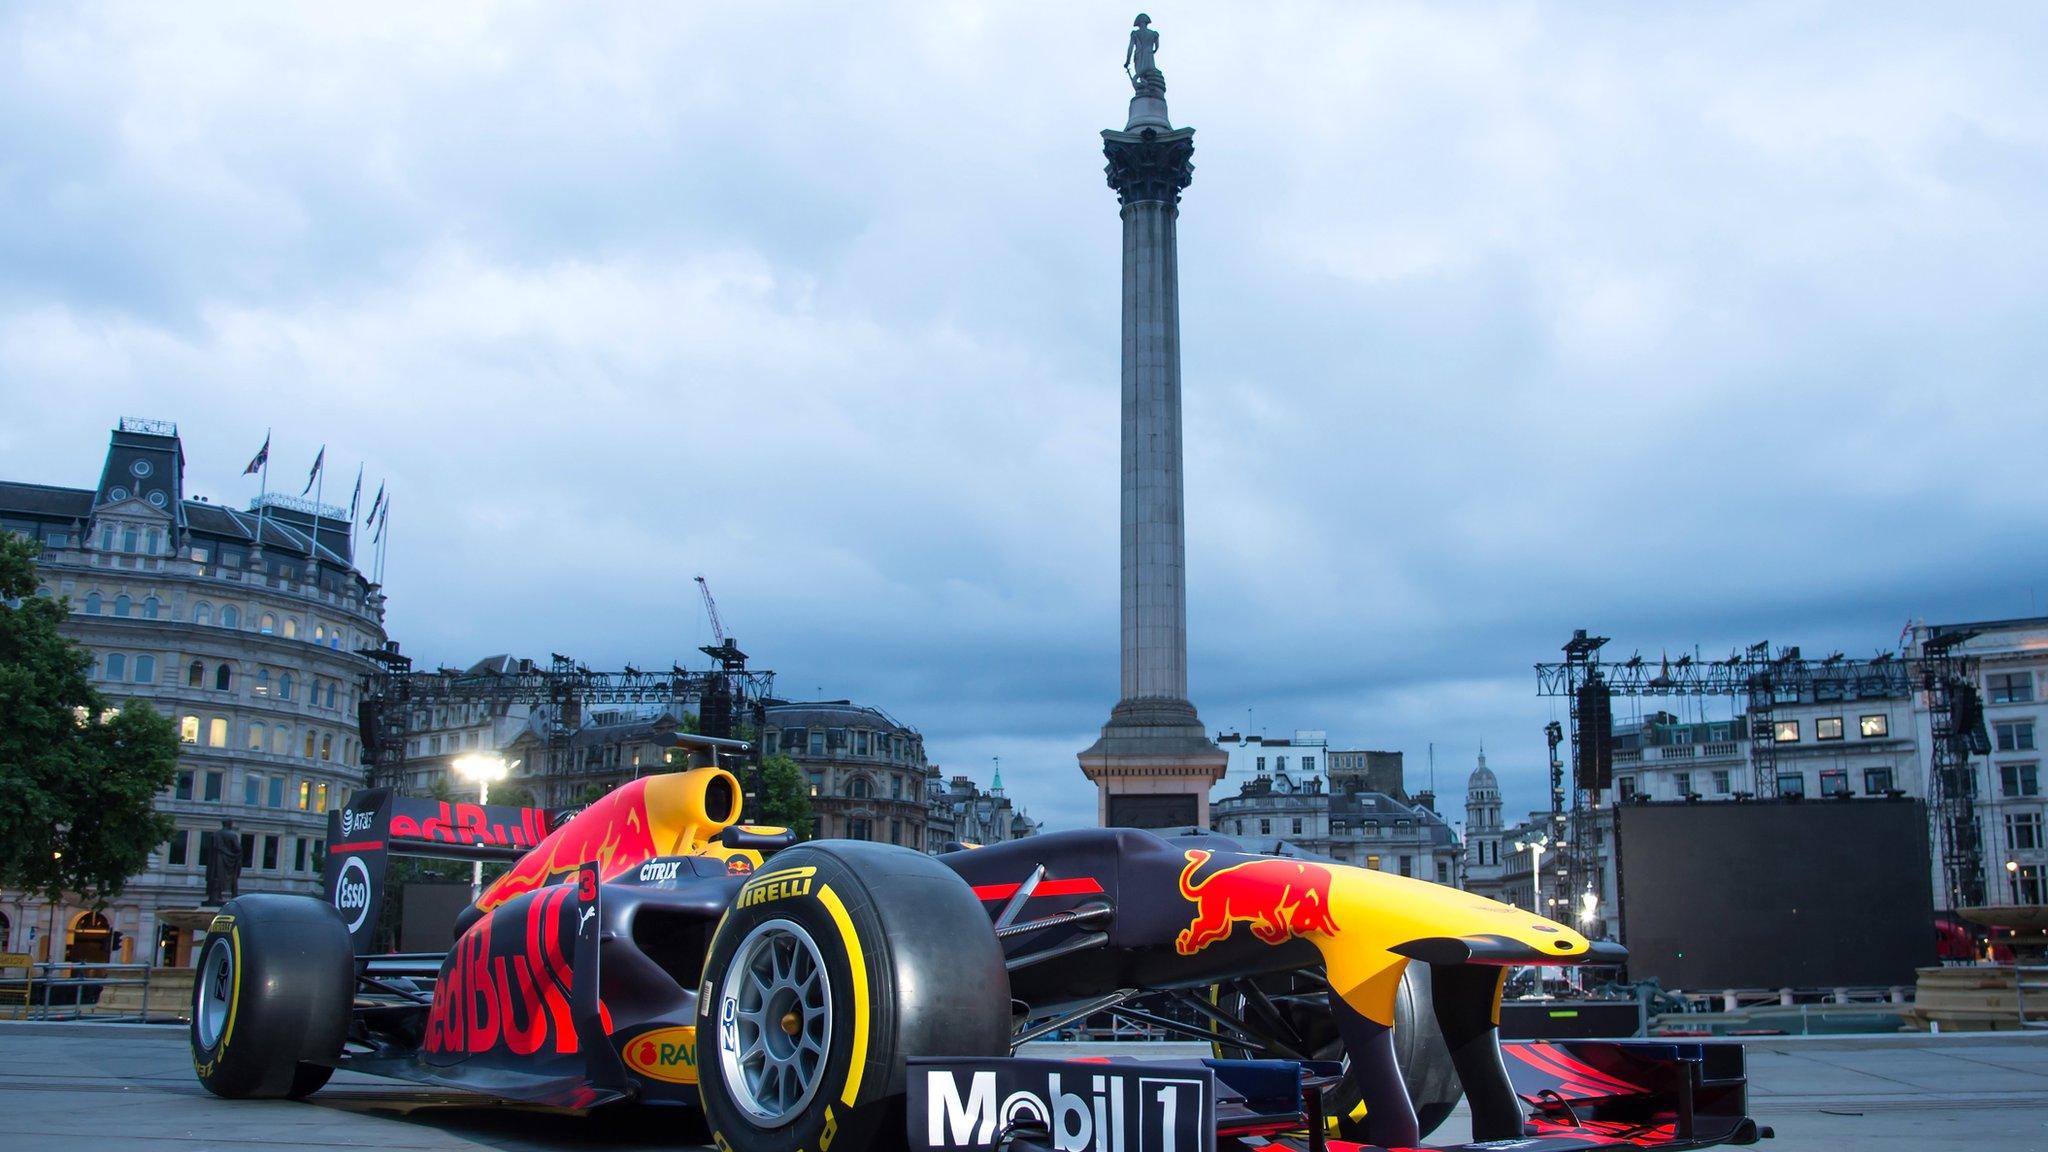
[315, 473]
[374, 505]
[355, 496]
[381, 521]
[262, 458]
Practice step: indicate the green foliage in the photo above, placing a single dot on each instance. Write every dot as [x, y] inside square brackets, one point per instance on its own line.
[785, 796]
[512, 795]
[78, 781]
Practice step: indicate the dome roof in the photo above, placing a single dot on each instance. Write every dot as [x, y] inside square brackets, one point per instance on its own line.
[1482, 776]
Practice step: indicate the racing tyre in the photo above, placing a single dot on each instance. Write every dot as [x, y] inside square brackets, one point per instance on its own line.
[272, 998]
[834, 966]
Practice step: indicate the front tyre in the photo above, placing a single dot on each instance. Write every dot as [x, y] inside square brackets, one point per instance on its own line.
[838, 963]
[272, 998]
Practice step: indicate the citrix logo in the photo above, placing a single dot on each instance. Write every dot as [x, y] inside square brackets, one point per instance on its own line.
[660, 870]
[1074, 1120]
[353, 822]
[352, 892]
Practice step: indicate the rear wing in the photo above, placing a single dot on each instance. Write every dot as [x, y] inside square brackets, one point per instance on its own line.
[378, 824]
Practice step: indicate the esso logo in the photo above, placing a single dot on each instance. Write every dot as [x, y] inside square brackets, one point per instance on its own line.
[352, 893]
[354, 822]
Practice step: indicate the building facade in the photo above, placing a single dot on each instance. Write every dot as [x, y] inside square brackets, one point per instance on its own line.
[962, 812]
[1361, 814]
[2012, 673]
[245, 627]
[868, 774]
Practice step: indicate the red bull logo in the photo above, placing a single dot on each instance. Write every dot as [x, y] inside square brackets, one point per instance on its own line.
[1280, 899]
[614, 831]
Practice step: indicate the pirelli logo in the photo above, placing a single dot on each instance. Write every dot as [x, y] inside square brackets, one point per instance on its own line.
[777, 885]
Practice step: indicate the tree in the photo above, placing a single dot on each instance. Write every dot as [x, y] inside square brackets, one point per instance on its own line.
[785, 796]
[78, 779]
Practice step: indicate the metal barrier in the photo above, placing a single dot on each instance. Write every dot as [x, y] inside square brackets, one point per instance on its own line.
[81, 990]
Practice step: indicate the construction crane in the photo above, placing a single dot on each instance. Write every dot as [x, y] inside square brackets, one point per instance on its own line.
[711, 610]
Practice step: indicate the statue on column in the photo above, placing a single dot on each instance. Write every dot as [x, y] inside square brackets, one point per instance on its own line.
[1139, 62]
[224, 865]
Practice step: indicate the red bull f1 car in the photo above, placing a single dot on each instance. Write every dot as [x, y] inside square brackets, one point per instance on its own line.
[837, 996]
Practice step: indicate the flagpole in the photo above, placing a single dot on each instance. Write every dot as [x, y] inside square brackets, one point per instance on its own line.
[319, 491]
[264, 486]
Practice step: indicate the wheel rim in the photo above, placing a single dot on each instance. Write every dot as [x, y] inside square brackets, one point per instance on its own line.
[216, 992]
[775, 1022]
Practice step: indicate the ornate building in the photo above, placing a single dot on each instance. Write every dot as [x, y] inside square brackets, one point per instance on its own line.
[245, 628]
[961, 811]
[1483, 865]
[1351, 820]
[868, 774]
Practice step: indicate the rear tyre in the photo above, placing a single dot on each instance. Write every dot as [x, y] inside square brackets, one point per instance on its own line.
[271, 1002]
[836, 964]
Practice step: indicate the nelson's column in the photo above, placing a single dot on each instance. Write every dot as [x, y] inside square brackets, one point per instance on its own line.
[1154, 765]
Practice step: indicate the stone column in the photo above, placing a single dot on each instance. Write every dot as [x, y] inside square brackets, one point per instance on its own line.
[1154, 764]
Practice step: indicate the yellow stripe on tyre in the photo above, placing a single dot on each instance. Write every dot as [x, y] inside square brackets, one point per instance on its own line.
[857, 960]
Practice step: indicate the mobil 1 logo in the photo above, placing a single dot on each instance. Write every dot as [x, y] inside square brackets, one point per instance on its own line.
[976, 1105]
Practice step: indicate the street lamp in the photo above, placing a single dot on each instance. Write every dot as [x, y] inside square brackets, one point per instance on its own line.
[1536, 848]
[480, 768]
[1589, 906]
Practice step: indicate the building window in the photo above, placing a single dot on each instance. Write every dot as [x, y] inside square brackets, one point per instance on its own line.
[1792, 784]
[252, 788]
[330, 704]
[188, 729]
[2010, 687]
[279, 738]
[183, 788]
[2023, 831]
[92, 603]
[895, 831]
[275, 797]
[859, 788]
[116, 667]
[1877, 781]
[1684, 782]
[1308, 763]
[270, 853]
[2019, 779]
[1834, 782]
[1262, 759]
[1720, 781]
[284, 686]
[1407, 866]
[202, 613]
[2013, 736]
[174, 852]
[1827, 728]
[123, 605]
[2027, 886]
[1297, 826]
[895, 789]
[1280, 764]
[298, 853]
[256, 737]
[1785, 732]
[223, 678]
[230, 616]
[262, 685]
[309, 745]
[1265, 826]
[1443, 872]
[131, 540]
[860, 742]
[818, 742]
[291, 628]
[145, 669]
[857, 829]
[1874, 727]
[217, 733]
[216, 785]
[1625, 787]
[327, 746]
[269, 624]
[195, 675]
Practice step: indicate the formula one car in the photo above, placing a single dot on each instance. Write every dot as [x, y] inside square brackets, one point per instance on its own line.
[838, 995]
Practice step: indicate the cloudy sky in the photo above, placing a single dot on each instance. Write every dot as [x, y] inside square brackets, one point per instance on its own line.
[1693, 325]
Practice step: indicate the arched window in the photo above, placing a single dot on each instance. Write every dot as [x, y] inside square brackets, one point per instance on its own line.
[319, 633]
[156, 541]
[188, 729]
[262, 682]
[230, 616]
[92, 603]
[326, 746]
[291, 628]
[44, 591]
[123, 605]
[223, 678]
[309, 745]
[269, 624]
[131, 541]
[280, 736]
[107, 538]
[216, 732]
[117, 666]
[195, 675]
[202, 613]
[284, 686]
[860, 789]
[150, 607]
[145, 669]
[330, 693]
[256, 737]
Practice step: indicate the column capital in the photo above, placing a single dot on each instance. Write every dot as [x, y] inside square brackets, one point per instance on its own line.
[1149, 164]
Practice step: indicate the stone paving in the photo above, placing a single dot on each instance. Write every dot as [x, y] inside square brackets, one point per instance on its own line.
[80, 1087]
